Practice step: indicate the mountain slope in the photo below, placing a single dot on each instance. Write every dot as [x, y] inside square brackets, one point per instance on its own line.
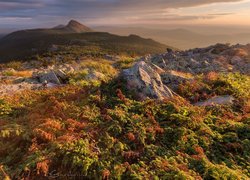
[96, 125]
[2, 35]
[23, 44]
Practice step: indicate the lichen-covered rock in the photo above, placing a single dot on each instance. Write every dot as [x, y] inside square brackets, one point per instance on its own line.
[146, 81]
[48, 77]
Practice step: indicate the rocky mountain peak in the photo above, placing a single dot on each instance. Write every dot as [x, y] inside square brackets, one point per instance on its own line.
[75, 26]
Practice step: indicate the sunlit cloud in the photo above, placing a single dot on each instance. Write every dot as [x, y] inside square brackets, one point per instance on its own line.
[108, 12]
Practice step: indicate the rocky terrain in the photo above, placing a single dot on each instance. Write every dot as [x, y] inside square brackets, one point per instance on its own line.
[154, 75]
[176, 115]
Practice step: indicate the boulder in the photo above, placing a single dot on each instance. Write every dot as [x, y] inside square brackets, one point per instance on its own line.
[219, 100]
[48, 77]
[61, 74]
[144, 79]
[68, 69]
[236, 60]
[53, 48]
[159, 61]
[94, 75]
[175, 77]
[111, 57]
[51, 85]
[18, 80]
[194, 64]
[158, 69]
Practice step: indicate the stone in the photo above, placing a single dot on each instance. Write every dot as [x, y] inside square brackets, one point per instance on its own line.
[51, 85]
[194, 63]
[94, 75]
[53, 48]
[61, 74]
[218, 100]
[236, 60]
[144, 79]
[31, 81]
[159, 61]
[175, 77]
[50, 77]
[18, 80]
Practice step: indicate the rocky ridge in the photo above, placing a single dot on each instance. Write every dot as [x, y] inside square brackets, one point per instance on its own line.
[157, 76]
[152, 76]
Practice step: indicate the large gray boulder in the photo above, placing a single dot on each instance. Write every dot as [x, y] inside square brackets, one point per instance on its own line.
[146, 81]
[48, 77]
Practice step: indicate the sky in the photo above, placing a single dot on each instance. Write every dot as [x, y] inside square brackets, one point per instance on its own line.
[48, 13]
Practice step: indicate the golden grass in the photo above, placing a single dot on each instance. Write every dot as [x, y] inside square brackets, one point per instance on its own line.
[17, 73]
[182, 74]
[23, 73]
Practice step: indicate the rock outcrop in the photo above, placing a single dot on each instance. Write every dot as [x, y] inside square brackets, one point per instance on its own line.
[217, 58]
[48, 77]
[154, 76]
[146, 81]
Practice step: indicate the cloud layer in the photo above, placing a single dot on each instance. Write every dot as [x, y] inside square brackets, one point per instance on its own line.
[49, 11]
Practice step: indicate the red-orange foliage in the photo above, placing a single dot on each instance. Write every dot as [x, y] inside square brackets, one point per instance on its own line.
[34, 145]
[105, 174]
[120, 95]
[199, 150]
[159, 130]
[73, 125]
[164, 165]
[51, 124]
[69, 137]
[43, 135]
[197, 157]
[43, 167]
[183, 167]
[131, 136]
[246, 107]
[130, 155]
[107, 117]
[181, 154]
[55, 108]
[150, 129]
[211, 76]
[151, 117]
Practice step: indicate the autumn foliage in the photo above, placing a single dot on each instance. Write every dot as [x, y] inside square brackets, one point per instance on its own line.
[108, 135]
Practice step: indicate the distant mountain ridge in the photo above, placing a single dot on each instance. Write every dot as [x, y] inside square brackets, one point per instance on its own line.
[26, 43]
[72, 27]
[182, 38]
